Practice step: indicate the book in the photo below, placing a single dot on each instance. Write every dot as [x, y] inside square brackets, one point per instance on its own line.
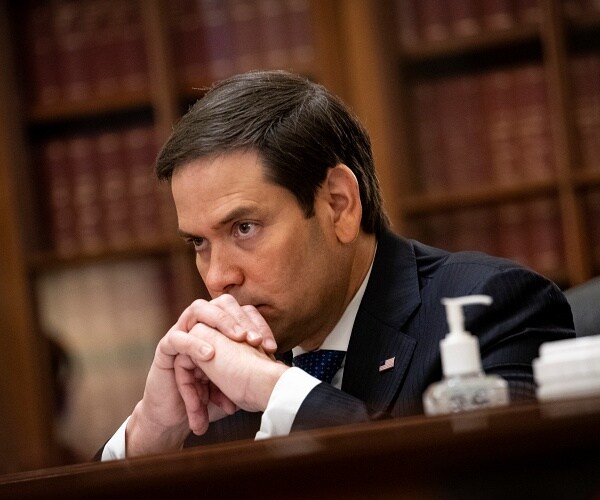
[59, 182]
[476, 229]
[497, 14]
[498, 89]
[216, 25]
[545, 236]
[407, 20]
[273, 33]
[187, 38]
[41, 53]
[145, 217]
[433, 20]
[433, 175]
[86, 193]
[532, 124]
[132, 62]
[513, 228]
[592, 211]
[584, 70]
[464, 18]
[104, 46]
[528, 12]
[247, 49]
[114, 189]
[71, 32]
[300, 34]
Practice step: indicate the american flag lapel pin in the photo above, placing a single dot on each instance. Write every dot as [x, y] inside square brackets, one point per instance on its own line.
[387, 364]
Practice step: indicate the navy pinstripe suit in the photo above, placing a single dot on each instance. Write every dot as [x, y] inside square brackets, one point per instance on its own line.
[401, 316]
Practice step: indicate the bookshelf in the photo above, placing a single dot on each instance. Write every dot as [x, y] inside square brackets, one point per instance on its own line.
[431, 96]
[94, 257]
[494, 111]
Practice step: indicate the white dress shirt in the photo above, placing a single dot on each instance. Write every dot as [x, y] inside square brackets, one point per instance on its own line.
[290, 390]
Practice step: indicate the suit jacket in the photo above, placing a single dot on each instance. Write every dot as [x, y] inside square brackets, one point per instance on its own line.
[401, 317]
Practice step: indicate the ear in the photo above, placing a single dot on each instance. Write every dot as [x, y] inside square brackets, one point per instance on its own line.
[343, 197]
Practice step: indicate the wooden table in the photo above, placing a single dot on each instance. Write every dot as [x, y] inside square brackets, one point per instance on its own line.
[523, 451]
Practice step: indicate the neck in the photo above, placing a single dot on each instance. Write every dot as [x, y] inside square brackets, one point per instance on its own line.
[362, 258]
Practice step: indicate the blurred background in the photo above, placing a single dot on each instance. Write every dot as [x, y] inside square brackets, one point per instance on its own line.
[485, 122]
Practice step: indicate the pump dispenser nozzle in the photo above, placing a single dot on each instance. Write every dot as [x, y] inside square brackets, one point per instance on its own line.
[460, 349]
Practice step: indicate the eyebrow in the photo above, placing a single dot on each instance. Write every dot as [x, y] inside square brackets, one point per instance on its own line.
[237, 213]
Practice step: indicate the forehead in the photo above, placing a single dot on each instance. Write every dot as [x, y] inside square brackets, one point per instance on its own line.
[207, 189]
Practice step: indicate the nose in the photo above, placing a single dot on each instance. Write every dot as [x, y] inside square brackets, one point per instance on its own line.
[221, 273]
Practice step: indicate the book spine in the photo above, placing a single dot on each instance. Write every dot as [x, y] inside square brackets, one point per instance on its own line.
[464, 17]
[217, 28]
[475, 229]
[433, 20]
[114, 192]
[545, 236]
[497, 14]
[300, 34]
[59, 180]
[532, 124]
[592, 202]
[453, 124]
[408, 22]
[104, 47]
[529, 12]
[73, 43]
[475, 148]
[429, 138]
[499, 110]
[585, 71]
[514, 230]
[133, 61]
[86, 193]
[438, 231]
[188, 40]
[145, 218]
[244, 15]
[42, 54]
[273, 30]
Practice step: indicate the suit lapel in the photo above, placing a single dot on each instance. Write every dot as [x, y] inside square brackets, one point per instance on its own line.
[391, 297]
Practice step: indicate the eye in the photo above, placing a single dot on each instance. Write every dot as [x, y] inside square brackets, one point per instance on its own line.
[198, 243]
[245, 229]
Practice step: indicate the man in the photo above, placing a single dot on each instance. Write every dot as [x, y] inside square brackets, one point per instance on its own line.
[275, 188]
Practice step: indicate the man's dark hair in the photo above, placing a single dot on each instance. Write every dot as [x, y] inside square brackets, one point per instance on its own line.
[297, 127]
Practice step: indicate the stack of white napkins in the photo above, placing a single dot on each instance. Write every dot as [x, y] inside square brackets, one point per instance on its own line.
[568, 369]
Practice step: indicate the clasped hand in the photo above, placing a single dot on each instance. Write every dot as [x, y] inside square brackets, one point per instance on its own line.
[217, 358]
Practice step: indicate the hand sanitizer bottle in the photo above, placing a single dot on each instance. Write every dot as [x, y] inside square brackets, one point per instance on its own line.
[465, 386]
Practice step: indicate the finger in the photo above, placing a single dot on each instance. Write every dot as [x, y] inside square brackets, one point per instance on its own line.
[194, 393]
[210, 313]
[268, 340]
[218, 398]
[177, 342]
[231, 306]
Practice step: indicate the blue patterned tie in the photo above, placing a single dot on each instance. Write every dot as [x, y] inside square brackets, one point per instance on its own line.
[322, 364]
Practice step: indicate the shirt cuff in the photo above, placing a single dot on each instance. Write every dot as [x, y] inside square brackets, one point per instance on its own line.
[114, 449]
[288, 394]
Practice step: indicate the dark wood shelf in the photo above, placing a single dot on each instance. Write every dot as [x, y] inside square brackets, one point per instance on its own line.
[49, 260]
[482, 42]
[430, 203]
[89, 108]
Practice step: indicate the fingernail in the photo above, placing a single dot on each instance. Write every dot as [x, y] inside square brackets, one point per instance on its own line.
[252, 335]
[270, 344]
[206, 350]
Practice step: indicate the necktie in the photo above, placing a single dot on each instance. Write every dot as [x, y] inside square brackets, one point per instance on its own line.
[322, 364]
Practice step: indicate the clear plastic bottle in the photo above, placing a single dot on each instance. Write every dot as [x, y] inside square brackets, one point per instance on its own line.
[465, 386]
